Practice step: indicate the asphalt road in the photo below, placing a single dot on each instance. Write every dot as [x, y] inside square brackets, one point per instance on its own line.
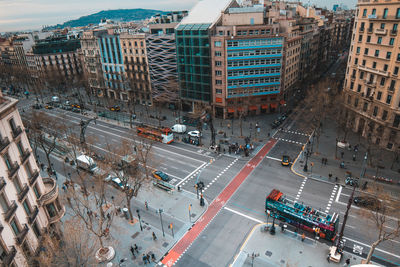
[220, 241]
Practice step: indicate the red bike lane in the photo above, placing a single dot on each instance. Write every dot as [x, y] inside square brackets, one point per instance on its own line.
[183, 244]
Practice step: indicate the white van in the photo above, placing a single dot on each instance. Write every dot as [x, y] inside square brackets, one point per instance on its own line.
[87, 163]
[55, 99]
[179, 128]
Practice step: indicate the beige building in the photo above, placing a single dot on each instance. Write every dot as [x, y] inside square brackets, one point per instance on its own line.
[29, 203]
[134, 53]
[371, 91]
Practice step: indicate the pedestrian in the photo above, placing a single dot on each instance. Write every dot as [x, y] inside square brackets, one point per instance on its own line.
[328, 258]
[342, 154]
[347, 263]
[303, 236]
[144, 258]
[146, 205]
[354, 157]
[42, 166]
[330, 176]
[108, 216]
[148, 257]
[136, 248]
[64, 188]
[336, 179]
[154, 236]
[269, 134]
[326, 161]
[153, 257]
[133, 251]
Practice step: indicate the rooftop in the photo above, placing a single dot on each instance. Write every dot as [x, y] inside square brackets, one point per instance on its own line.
[206, 11]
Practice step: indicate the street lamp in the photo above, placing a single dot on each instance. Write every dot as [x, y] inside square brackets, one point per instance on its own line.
[272, 230]
[305, 169]
[162, 226]
[140, 222]
[363, 169]
[190, 215]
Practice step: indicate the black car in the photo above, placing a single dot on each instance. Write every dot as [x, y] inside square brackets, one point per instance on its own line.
[367, 202]
[276, 124]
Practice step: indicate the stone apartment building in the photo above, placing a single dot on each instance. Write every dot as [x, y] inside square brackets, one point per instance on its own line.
[371, 90]
[30, 204]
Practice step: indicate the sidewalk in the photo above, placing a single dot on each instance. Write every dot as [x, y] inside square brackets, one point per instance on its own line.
[326, 149]
[284, 249]
[124, 234]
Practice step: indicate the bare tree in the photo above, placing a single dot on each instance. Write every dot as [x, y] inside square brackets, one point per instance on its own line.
[75, 247]
[383, 217]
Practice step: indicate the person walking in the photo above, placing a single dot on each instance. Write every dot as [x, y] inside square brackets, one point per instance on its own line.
[354, 157]
[342, 154]
[303, 236]
[148, 257]
[144, 258]
[133, 252]
[154, 236]
[136, 248]
[153, 257]
[347, 263]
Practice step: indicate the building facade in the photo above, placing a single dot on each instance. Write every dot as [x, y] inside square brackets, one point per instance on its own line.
[371, 91]
[30, 204]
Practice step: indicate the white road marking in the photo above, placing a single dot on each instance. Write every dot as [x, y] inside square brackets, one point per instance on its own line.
[243, 215]
[378, 249]
[190, 174]
[338, 194]
[268, 157]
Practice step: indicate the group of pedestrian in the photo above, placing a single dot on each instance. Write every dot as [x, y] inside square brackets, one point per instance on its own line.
[324, 161]
[146, 257]
[134, 249]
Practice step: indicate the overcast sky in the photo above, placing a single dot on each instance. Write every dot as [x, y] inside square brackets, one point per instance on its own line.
[32, 14]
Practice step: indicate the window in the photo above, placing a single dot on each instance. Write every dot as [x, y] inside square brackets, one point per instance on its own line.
[218, 63]
[368, 39]
[3, 252]
[385, 12]
[351, 85]
[218, 91]
[20, 148]
[379, 96]
[360, 38]
[359, 88]
[356, 102]
[17, 184]
[12, 124]
[36, 230]
[4, 202]
[356, 61]
[384, 115]
[375, 111]
[217, 43]
[51, 209]
[366, 51]
[382, 26]
[388, 99]
[379, 40]
[391, 41]
[7, 160]
[398, 57]
[363, 62]
[361, 74]
[364, 12]
[388, 55]
[396, 121]
[383, 81]
[358, 50]
[218, 53]
[374, 11]
[27, 207]
[392, 85]
[15, 226]
[385, 67]
[377, 53]
[396, 70]
[348, 99]
[374, 65]
[218, 73]
[36, 191]
[365, 107]
[398, 13]
[218, 82]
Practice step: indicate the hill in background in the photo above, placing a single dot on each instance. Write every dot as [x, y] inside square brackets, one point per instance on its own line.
[121, 15]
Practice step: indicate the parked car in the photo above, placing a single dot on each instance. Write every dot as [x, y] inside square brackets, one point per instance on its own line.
[195, 133]
[276, 124]
[116, 182]
[48, 106]
[161, 176]
[285, 160]
[368, 202]
[352, 181]
[115, 108]
[178, 128]
[76, 110]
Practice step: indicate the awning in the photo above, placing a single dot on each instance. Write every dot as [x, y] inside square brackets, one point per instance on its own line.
[265, 106]
[218, 100]
[231, 110]
[253, 107]
[274, 105]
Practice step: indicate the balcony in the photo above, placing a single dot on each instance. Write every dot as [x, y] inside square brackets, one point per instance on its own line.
[370, 30]
[16, 132]
[58, 217]
[10, 212]
[4, 143]
[23, 193]
[361, 30]
[25, 155]
[33, 215]
[381, 31]
[393, 32]
[33, 178]
[376, 71]
[51, 191]
[10, 256]
[13, 169]
[2, 183]
[21, 236]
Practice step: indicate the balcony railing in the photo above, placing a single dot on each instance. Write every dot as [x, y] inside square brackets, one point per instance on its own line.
[362, 29]
[4, 143]
[10, 212]
[23, 193]
[10, 256]
[2, 183]
[33, 215]
[34, 177]
[58, 217]
[381, 31]
[376, 71]
[13, 169]
[393, 32]
[16, 132]
[51, 194]
[25, 155]
[370, 30]
[21, 236]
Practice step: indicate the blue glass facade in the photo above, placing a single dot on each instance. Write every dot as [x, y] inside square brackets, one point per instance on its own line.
[112, 61]
[254, 66]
